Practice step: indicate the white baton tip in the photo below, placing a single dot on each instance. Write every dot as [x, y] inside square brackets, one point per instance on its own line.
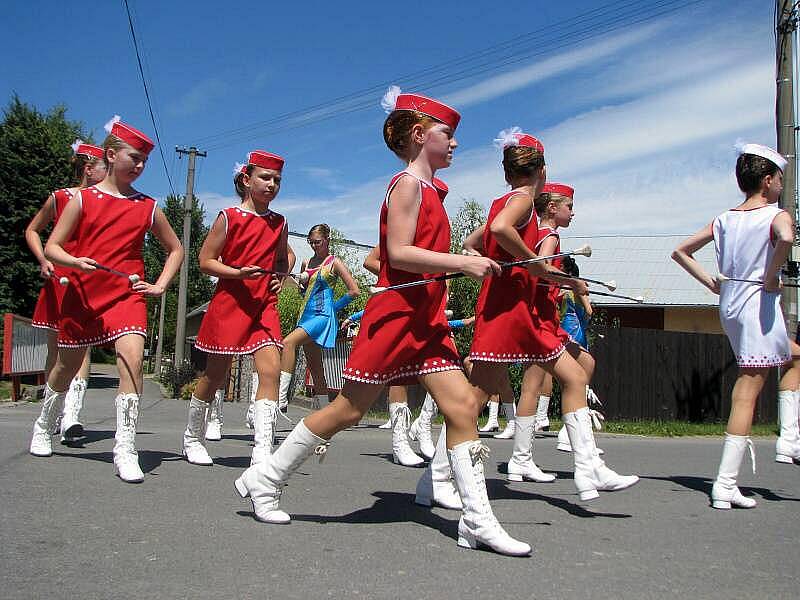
[376, 290]
[134, 278]
[585, 250]
[63, 280]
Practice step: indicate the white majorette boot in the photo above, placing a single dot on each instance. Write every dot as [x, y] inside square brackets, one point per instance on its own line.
[387, 425]
[724, 492]
[542, 411]
[563, 439]
[402, 454]
[126, 459]
[478, 526]
[264, 482]
[421, 428]
[71, 427]
[283, 390]
[45, 426]
[250, 415]
[492, 424]
[436, 484]
[214, 423]
[510, 410]
[521, 466]
[264, 431]
[787, 448]
[591, 472]
[193, 437]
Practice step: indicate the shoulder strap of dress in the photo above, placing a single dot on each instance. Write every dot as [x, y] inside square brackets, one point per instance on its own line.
[397, 178]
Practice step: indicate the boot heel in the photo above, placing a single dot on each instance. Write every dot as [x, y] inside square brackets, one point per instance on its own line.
[782, 458]
[721, 504]
[467, 541]
[588, 495]
[241, 488]
[515, 477]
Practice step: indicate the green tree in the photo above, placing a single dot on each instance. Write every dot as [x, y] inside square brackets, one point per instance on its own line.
[35, 159]
[200, 286]
[463, 290]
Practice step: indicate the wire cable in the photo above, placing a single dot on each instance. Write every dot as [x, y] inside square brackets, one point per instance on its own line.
[147, 96]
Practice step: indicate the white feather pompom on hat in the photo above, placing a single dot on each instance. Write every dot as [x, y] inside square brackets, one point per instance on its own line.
[508, 137]
[110, 124]
[76, 144]
[389, 100]
[237, 168]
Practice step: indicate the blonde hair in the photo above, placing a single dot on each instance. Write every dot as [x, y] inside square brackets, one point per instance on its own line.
[397, 130]
[321, 229]
[521, 161]
[545, 198]
[114, 143]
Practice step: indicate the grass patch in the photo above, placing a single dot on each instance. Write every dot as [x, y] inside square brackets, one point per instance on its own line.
[5, 391]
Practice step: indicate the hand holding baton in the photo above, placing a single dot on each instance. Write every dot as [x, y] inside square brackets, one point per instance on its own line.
[584, 250]
[133, 277]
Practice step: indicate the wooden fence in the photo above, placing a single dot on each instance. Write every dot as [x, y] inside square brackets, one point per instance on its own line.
[648, 374]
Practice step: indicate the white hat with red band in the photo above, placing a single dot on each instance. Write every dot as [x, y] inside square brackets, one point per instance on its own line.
[265, 160]
[393, 100]
[130, 135]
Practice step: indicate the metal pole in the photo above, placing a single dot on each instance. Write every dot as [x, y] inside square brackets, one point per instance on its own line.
[160, 342]
[785, 123]
[180, 324]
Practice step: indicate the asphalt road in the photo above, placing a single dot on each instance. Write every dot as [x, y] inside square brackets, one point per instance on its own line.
[69, 527]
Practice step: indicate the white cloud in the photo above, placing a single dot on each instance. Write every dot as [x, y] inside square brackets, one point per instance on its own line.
[540, 70]
[202, 94]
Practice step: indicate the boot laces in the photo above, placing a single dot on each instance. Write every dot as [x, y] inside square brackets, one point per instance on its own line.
[130, 410]
[591, 397]
[403, 416]
[321, 450]
[479, 451]
[597, 418]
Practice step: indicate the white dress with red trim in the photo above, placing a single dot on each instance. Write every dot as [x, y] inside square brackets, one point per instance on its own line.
[47, 312]
[404, 333]
[242, 316]
[507, 327]
[99, 307]
[751, 317]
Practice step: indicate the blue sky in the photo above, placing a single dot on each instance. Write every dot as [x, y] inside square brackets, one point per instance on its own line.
[640, 117]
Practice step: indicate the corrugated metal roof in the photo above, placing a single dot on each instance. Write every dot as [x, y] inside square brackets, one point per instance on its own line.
[641, 266]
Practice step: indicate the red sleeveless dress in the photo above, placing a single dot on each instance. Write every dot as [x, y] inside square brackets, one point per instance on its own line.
[242, 315]
[404, 333]
[47, 312]
[507, 328]
[99, 307]
[546, 300]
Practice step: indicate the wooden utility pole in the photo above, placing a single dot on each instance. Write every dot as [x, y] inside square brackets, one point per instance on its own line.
[180, 325]
[787, 130]
[160, 342]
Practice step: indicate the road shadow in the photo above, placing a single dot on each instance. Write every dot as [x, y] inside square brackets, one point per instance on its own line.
[703, 484]
[499, 489]
[390, 459]
[101, 381]
[149, 460]
[234, 462]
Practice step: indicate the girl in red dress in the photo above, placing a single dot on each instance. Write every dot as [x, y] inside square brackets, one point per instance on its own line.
[517, 324]
[404, 334]
[107, 224]
[246, 249]
[89, 169]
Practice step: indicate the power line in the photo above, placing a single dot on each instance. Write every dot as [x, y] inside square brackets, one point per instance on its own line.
[580, 28]
[147, 96]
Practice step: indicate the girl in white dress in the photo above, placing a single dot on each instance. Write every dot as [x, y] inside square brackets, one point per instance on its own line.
[752, 243]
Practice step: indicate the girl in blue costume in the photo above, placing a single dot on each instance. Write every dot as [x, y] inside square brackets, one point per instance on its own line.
[317, 325]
